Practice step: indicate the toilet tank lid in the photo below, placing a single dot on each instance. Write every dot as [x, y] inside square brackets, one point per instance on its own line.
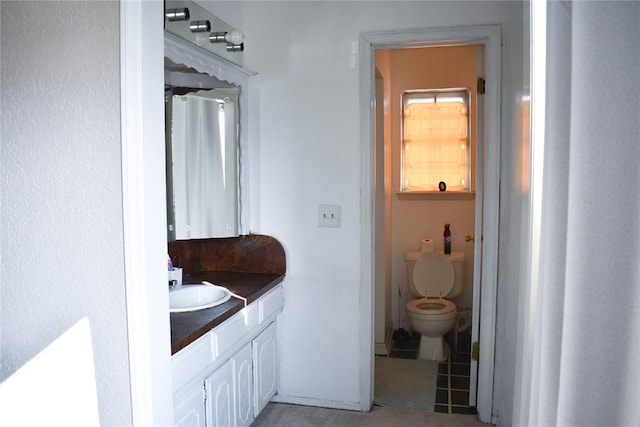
[433, 275]
[453, 256]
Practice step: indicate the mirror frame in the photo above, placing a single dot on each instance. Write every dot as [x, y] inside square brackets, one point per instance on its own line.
[183, 52]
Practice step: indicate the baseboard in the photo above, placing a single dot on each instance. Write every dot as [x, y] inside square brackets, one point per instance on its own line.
[389, 337]
[321, 403]
[384, 348]
[381, 349]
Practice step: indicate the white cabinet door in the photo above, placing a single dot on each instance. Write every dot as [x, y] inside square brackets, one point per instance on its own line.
[189, 409]
[265, 367]
[220, 404]
[243, 370]
[229, 392]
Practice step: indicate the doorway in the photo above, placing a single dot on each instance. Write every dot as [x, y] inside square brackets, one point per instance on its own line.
[443, 81]
[486, 216]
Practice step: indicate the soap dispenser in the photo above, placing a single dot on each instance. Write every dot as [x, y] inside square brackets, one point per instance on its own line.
[172, 281]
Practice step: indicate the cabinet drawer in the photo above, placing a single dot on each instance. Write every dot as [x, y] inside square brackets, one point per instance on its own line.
[271, 303]
[191, 360]
[232, 330]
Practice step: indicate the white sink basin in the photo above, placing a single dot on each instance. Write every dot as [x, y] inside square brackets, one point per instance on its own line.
[196, 297]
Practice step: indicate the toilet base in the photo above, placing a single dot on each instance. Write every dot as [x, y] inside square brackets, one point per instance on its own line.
[433, 348]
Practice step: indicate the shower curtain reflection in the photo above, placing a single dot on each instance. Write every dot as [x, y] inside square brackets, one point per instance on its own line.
[204, 163]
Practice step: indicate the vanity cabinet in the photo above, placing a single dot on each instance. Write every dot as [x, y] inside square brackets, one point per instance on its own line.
[227, 377]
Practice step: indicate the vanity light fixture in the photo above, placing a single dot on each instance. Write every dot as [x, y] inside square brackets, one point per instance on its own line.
[200, 26]
[233, 38]
[177, 14]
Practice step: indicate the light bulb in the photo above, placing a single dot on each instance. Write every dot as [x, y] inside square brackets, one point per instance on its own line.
[234, 37]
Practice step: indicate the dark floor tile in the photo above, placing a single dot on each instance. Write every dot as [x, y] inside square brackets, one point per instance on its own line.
[459, 383]
[441, 408]
[459, 397]
[442, 396]
[405, 345]
[403, 354]
[464, 342]
[464, 346]
[465, 410]
[404, 340]
[443, 381]
[460, 369]
[461, 358]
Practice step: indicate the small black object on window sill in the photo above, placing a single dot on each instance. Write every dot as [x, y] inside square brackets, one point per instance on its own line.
[442, 186]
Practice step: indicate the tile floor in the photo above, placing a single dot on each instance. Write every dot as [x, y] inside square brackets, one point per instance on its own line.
[452, 392]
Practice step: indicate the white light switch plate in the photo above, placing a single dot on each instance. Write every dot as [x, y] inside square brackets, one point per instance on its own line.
[328, 216]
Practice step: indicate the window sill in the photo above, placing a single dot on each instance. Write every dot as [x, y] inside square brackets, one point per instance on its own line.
[436, 195]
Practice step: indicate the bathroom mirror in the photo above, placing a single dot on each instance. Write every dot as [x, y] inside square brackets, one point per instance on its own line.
[202, 162]
[205, 145]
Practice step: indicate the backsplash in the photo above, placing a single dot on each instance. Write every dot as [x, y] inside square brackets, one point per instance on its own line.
[253, 253]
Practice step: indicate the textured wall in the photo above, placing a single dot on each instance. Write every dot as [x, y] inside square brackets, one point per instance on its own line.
[61, 213]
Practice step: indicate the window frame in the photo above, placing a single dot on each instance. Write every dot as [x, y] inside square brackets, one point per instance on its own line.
[466, 93]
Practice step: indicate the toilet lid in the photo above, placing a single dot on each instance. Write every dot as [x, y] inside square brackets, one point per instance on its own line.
[433, 275]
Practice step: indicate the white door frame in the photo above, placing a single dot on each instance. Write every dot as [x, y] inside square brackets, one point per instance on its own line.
[490, 36]
[144, 199]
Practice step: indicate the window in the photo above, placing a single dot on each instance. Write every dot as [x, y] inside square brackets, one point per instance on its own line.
[435, 140]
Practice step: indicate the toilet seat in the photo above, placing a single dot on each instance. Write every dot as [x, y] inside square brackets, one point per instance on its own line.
[431, 306]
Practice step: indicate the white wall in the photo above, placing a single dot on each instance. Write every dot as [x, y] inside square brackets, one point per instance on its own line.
[305, 129]
[61, 215]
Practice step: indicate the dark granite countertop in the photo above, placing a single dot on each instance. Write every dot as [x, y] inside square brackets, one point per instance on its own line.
[189, 326]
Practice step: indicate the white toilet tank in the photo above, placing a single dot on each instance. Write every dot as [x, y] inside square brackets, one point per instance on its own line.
[457, 260]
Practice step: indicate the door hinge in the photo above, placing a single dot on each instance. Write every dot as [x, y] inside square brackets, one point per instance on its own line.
[475, 350]
[481, 86]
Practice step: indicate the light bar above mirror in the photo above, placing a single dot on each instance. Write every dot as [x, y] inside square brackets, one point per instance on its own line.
[197, 25]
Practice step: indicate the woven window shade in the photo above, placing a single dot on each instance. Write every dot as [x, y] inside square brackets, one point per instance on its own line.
[435, 146]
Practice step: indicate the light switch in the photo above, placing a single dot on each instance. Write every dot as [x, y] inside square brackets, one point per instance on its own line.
[329, 216]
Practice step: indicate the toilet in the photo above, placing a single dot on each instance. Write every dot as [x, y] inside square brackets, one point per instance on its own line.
[432, 276]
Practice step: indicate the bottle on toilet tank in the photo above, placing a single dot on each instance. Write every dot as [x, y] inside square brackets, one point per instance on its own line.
[447, 239]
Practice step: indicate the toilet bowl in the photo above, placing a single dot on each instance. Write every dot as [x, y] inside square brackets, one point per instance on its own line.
[432, 276]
